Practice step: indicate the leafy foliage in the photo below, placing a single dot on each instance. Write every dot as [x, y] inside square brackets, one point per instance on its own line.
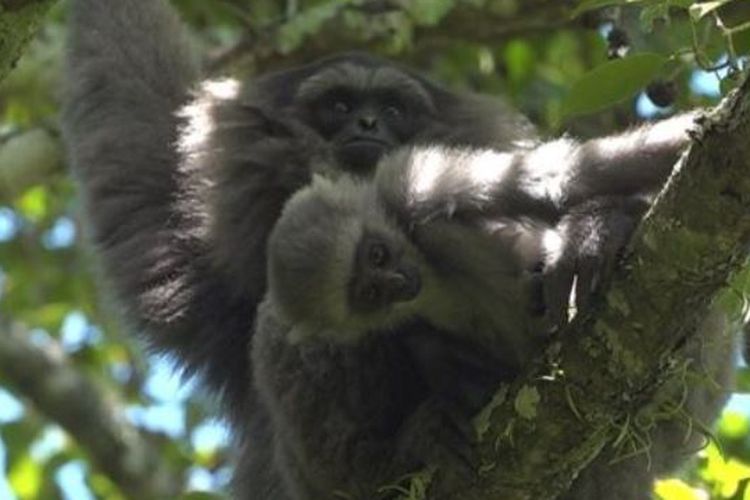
[624, 78]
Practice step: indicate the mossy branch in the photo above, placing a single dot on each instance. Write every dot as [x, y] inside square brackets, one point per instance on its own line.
[617, 359]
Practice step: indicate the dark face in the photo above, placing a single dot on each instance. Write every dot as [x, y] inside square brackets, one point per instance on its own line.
[362, 125]
[381, 277]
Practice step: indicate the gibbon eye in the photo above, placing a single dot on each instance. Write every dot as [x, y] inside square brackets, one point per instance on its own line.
[393, 111]
[340, 106]
[372, 293]
[378, 255]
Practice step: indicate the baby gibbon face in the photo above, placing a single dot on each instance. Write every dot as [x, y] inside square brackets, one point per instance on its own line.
[382, 275]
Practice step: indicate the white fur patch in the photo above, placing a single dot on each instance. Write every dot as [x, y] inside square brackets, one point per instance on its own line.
[487, 168]
[547, 169]
[425, 172]
[552, 243]
[198, 114]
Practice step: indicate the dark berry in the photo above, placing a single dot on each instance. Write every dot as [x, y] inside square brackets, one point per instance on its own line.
[662, 92]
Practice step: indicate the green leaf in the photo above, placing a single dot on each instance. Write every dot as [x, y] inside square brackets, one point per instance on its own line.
[49, 316]
[25, 478]
[526, 402]
[742, 381]
[18, 436]
[520, 59]
[734, 425]
[675, 489]
[611, 83]
[429, 12]
[34, 203]
[729, 83]
[741, 41]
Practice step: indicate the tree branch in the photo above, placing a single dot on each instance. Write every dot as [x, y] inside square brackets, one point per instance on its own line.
[42, 373]
[616, 360]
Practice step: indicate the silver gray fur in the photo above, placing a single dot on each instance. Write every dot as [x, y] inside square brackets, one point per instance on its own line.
[449, 208]
[180, 214]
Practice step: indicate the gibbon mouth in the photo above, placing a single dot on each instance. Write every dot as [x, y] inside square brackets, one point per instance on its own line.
[362, 153]
[366, 141]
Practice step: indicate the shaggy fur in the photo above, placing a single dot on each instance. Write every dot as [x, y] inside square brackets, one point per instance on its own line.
[183, 181]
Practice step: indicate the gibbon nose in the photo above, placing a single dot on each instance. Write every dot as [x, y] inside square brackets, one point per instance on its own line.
[402, 285]
[368, 122]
